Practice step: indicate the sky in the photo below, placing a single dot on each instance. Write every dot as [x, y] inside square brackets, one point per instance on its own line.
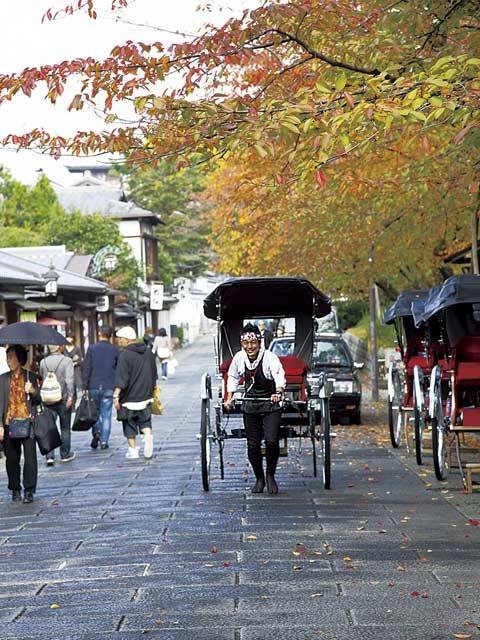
[27, 42]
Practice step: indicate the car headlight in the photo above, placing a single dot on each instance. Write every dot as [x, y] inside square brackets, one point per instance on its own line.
[343, 386]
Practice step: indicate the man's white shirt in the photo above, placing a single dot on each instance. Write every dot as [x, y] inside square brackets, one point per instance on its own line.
[271, 367]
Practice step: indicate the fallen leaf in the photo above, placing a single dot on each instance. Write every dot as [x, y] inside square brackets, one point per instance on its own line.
[347, 559]
[55, 606]
[474, 522]
[252, 537]
[415, 594]
[317, 595]
[226, 563]
[213, 550]
[462, 636]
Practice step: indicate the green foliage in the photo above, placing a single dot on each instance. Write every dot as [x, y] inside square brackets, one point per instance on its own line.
[385, 332]
[32, 216]
[350, 312]
[173, 194]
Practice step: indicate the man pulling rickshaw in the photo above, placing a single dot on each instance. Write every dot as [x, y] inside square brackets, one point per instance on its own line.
[264, 380]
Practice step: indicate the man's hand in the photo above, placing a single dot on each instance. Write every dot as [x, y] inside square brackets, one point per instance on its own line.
[116, 404]
[277, 396]
[69, 402]
[29, 388]
[228, 405]
[2, 433]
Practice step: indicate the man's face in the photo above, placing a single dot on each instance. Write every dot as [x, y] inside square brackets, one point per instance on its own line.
[251, 346]
[122, 342]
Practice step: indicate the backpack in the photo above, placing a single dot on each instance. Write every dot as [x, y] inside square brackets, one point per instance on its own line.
[51, 389]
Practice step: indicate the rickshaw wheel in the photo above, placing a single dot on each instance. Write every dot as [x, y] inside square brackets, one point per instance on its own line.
[325, 440]
[395, 413]
[419, 423]
[439, 446]
[221, 444]
[313, 437]
[418, 412]
[205, 443]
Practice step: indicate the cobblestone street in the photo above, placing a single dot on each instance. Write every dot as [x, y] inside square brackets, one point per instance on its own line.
[123, 549]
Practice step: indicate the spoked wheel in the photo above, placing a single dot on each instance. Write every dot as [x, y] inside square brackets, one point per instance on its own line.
[313, 438]
[325, 442]
[205, 443]
[418, 412]
[395, 411]
[221, 443]
[439, 429]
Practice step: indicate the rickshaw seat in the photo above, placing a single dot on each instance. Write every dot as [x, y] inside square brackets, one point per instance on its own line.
[467, 359]
[295, 369]
[420, 361]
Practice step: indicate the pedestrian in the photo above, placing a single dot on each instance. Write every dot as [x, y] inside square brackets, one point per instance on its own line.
[135, 381]
[19, 391]
[99, 380]
[163, 352]
[265, 334]
[61, 367]
[75, 353]
[264, 377]
[149, 337]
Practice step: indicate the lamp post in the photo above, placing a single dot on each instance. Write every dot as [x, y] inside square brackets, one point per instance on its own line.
[51, 277]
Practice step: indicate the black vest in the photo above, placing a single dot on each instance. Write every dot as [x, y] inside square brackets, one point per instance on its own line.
[257, 385]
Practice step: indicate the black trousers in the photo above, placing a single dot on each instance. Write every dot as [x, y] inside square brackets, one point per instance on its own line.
[13, 451]
[266, 426]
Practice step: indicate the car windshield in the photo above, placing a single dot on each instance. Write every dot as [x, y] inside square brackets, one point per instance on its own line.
[326, 352]
[282, 346]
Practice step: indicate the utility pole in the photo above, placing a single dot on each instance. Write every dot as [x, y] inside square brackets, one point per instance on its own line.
[373, 329]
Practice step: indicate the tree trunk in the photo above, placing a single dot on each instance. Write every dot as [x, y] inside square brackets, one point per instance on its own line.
[474, 222]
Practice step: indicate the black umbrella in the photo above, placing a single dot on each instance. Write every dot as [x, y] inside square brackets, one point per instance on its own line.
[30, 333]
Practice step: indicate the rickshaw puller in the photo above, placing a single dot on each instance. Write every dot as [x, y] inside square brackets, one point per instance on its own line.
[264, 377]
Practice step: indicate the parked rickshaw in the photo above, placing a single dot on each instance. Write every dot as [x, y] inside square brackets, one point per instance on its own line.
[306, 408]
[407, 381]
[454, 404]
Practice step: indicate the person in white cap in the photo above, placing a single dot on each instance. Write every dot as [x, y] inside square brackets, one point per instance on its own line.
[135, 381]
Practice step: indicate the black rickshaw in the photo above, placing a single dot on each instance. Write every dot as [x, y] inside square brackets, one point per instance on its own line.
[305, 411]
[454, 408]
[407, 383]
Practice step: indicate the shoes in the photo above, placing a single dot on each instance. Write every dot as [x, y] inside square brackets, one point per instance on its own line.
[148, 446]
[95, 440]
[132, 453]
[28, 497]
[164, 377]
[259, 486]
[50, 462]
[68, 457]
[16, 496]
[104, 445]
[272, 486]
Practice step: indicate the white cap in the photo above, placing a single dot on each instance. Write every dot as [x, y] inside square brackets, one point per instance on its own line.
[126, 332]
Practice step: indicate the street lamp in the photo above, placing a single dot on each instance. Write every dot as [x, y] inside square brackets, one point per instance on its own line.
[51, 277]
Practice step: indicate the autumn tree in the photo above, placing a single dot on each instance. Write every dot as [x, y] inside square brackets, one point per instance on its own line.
[350, 102]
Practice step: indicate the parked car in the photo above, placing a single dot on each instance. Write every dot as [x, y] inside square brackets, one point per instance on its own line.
[331, 355]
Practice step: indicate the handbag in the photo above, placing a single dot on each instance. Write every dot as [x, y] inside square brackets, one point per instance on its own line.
[163, 353]
[86, 415]
[46, 432]
[157, 406]
[20, 428]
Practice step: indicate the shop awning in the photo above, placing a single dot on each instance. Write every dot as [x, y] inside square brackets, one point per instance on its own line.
[40, 305]
[52, 322]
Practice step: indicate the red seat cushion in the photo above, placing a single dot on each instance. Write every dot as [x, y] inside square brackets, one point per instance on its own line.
[468, 372]
[224, 366]
[295, 369]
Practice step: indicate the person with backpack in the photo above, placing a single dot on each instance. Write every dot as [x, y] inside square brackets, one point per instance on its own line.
[57, 392]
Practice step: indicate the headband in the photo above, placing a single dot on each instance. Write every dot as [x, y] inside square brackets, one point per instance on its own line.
[250, 335]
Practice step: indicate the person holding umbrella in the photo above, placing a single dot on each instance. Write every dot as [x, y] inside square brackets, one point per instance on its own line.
[18, 393]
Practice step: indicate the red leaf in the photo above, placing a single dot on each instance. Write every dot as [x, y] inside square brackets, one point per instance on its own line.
[226, 564]
[213, 550]
[474, 522]
[321, 178]
[415, 594]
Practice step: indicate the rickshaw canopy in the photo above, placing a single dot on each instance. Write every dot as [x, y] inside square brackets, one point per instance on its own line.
[264, 297]
[456, 290]
[238, 299]
[402, 306]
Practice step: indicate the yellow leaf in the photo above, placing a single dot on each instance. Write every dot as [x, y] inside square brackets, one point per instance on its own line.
[252, 537]
[347, 559]
[55, 606]
[340, 82]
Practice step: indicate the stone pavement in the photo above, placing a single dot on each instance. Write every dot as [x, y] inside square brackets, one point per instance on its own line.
[127, 549]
